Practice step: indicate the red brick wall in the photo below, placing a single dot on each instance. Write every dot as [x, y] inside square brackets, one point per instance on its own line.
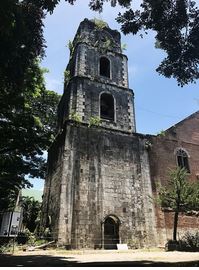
[187, 130]
[162, 158]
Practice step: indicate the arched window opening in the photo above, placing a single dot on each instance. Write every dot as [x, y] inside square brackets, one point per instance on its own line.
[182, 159]
[107, 107]
[104, 67]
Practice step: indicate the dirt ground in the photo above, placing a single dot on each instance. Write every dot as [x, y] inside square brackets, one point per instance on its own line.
[93, 258]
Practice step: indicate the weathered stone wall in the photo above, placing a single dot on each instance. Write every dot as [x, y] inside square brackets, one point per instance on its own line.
[95, 172]
[52, 187]
[84, 99]
[82, 92]
[103, 173]
[88, 65]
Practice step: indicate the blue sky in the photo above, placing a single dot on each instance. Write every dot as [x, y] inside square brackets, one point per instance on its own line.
[159, 102]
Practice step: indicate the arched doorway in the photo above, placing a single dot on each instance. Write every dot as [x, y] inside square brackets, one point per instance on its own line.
[111, 232]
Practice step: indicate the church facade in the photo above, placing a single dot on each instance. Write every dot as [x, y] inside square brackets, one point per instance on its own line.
[101, 173]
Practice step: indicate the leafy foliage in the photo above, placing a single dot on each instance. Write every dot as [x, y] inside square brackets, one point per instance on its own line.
[179, 196]
[21, 36]
[31, 209]
[162, 133]
[71, 48]
[67, 76]
[75, 117]
[176, 23]
[6, 247]
[26, 129]
[190, 242]
[94, 121]
[124, 47]
[27, 109]
[179, 193]
[100, 23]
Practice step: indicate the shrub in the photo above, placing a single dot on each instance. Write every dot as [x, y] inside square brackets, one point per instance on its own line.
[75, 117]
[26, 237]
[67, 76]
[190, 242]
[100, 24]
[94, 121]
[6, 248]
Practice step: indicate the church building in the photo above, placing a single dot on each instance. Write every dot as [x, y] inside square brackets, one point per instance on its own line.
[101, 173]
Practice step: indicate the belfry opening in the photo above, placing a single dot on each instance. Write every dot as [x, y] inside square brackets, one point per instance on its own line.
[107, 106]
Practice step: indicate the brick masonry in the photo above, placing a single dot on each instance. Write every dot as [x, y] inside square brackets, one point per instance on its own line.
[184, 135]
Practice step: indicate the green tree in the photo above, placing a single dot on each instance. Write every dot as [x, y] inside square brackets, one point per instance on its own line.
[176, 24]
[179, 196]
[27, 128]
[31, 209]
[21, 35]
[27, 109]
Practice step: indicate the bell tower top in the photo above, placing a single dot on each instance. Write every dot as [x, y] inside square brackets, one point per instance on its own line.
[98, 33]
[96, 81]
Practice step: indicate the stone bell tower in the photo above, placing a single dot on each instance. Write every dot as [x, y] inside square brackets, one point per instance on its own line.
[98, 80]
[97, 186]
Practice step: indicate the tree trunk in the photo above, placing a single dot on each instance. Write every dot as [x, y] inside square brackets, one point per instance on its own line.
[175, 225]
